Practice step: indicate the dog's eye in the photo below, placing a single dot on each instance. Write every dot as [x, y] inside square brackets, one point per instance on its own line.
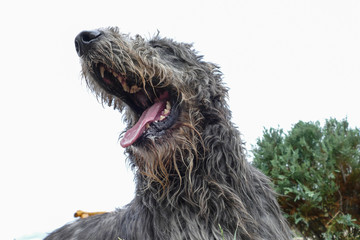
[156, 46]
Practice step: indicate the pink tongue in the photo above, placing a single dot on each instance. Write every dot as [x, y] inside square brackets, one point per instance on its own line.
[149, 115]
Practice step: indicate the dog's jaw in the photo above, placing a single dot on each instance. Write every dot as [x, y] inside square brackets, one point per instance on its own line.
[154, 107]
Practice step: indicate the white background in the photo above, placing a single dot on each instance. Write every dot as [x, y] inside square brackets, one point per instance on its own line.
[284, 61]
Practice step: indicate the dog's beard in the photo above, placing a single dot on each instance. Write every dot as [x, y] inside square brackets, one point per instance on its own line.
[166, 162]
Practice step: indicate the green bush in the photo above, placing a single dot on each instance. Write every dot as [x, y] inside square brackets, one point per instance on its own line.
[316, 171]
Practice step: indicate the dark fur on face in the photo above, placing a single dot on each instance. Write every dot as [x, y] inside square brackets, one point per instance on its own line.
[192, 178]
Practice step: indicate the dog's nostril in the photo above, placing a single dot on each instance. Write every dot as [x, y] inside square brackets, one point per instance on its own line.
[84, 39]
[89, 36]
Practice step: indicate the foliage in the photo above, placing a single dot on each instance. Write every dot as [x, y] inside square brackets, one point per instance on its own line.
[316, 171]
[222, 233]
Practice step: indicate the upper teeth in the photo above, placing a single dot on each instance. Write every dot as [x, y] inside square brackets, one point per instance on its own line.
[102, 71]
[134, 89]
[120, 78]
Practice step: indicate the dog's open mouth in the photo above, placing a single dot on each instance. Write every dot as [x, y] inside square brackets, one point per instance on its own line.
[154, 105]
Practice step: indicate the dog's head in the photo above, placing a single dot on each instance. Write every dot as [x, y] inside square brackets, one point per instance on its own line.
[167, 92]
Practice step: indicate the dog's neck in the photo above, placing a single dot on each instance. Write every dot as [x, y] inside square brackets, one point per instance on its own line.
[216, 161]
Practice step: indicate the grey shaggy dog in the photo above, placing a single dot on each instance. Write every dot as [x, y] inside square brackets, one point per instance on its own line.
[192, 177]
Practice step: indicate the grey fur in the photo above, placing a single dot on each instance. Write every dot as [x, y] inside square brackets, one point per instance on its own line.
[192, 180]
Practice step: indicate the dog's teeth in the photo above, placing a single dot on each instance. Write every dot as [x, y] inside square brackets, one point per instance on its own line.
[134, 89]
[115, 74]
[124, 84]
[121, 79]
[126, 87]
[102, 71]
[168, 106]
[166, 111]
[162, 117]
[147, 126]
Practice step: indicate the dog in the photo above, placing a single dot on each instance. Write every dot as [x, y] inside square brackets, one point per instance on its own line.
[192, 177]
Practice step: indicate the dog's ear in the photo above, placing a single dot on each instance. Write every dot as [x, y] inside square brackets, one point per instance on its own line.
[212, 95]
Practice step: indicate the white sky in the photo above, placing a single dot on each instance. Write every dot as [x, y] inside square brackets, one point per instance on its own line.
[284, 61]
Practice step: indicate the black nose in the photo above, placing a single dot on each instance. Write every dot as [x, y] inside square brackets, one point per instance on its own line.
[84, 40]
